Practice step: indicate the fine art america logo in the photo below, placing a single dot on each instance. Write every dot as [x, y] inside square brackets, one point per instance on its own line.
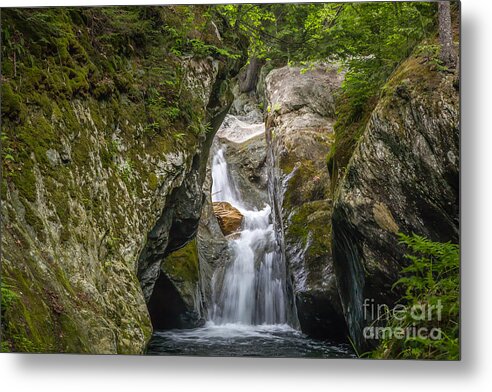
[419, 314]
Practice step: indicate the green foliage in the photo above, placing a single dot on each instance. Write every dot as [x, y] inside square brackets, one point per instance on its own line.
[179, 136]
[368, 40]
[431, 279]
[275, 31]
[430, 52]
[371, 39]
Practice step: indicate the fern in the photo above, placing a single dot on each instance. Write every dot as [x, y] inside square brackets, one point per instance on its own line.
[431, 279]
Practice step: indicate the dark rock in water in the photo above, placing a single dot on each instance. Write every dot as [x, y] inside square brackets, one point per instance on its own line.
[316, 310]
[229, 217]
[403, 177]
[299, 135]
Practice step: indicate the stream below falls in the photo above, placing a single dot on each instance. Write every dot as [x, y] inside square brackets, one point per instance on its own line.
[250, 314]
[237, 340]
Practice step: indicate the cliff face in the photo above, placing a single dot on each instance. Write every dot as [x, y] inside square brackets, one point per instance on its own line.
[103, 175]
[402, 177]
[300, 117]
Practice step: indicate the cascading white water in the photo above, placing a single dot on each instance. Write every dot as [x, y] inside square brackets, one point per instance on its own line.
[250, 314]
[253, 290]
[223, 187]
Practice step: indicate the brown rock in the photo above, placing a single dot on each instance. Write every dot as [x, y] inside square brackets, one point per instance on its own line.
[229, 217]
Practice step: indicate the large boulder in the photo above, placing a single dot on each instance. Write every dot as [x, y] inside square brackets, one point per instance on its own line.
[402, 177]
[299, 131]
[229, 217]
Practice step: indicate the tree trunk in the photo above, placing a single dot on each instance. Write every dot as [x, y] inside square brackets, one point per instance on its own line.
[247, 81]
[448, 55]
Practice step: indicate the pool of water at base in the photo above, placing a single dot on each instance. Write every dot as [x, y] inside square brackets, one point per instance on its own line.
[236, 340]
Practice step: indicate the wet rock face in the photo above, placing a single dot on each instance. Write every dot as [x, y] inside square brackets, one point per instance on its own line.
[213, 248]
[229, 217]
[247, 165]
[403, 177]
[299, 130]
[176, 226]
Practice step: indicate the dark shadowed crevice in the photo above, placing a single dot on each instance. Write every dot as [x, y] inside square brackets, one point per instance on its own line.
[166, 307]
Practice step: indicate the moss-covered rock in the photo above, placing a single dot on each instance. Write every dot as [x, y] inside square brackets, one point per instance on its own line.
[402, 177]
[103, 119]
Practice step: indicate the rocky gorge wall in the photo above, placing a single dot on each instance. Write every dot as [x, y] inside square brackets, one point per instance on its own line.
[340, 241]
[104, 180]
[402, 177]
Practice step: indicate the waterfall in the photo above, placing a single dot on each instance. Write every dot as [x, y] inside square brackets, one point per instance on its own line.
[253, 288]
[223, 186]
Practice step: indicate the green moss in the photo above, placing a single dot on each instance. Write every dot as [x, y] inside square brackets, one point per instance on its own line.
[311, 217]
[33, 220]
[153, 182]
[26, 323]
[12, 104]
[34, 78]
[25, 182]
[182, 265]
[106, 158]
[4, 188]
[104, 89]
[64, 233]
[81, 150]
[309, 228]
[60, 199]
[308, 183]
[45, 103]
[77, 80]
